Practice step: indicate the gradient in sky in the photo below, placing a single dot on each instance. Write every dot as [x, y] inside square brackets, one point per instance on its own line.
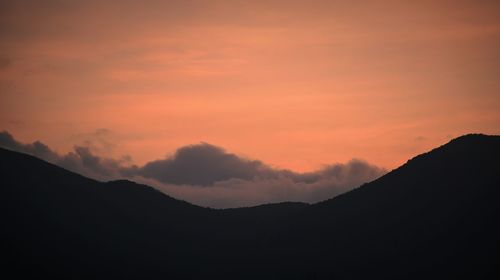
[296, 84]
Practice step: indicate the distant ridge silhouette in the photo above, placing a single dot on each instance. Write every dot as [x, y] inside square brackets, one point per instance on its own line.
[436, 217]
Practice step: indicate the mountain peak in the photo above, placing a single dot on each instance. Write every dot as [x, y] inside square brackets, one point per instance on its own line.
[474, 138]
[471, 146]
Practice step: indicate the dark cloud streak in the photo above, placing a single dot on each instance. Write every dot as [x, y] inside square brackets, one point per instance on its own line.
[205, 165]
[209, 176]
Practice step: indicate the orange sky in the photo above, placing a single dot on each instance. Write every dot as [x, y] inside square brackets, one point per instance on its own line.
[296, 84]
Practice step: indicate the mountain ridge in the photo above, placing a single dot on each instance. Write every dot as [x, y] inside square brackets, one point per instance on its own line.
[435, 217]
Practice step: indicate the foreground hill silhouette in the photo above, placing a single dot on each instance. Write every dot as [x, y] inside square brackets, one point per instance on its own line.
[435, 217]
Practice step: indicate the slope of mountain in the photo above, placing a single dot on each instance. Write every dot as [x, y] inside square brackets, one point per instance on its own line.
[434, 217]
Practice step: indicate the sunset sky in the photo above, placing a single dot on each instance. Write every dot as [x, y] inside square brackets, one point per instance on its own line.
[294, 84]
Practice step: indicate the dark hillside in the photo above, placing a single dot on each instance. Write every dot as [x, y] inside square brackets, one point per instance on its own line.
[434, 217]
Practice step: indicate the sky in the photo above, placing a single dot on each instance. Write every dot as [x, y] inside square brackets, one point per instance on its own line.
[295, 85]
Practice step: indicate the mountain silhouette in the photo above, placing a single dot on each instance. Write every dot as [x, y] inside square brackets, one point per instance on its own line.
[434, 217]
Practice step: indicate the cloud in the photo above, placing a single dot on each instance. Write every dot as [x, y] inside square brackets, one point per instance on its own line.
[37, 148]
[208, 175]
[281, 186]
[81, 160]
[203, 165]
